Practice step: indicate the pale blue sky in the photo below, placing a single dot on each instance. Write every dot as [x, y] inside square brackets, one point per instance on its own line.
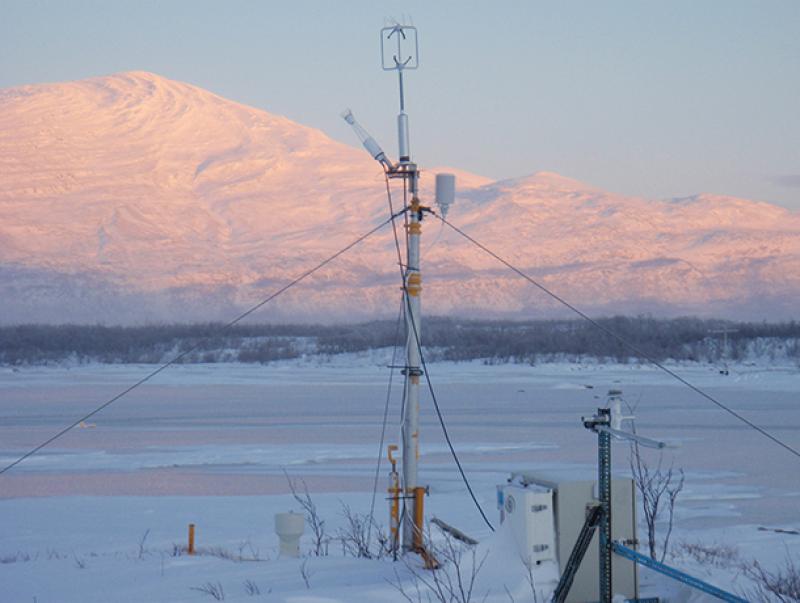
[659, 99]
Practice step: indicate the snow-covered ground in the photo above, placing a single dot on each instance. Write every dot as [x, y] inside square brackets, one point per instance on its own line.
[101, 514]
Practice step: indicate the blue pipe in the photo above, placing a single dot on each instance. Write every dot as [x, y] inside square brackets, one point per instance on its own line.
[671, 572]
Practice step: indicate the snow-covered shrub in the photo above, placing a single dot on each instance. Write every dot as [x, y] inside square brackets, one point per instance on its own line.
[714, 554]
[782, 584]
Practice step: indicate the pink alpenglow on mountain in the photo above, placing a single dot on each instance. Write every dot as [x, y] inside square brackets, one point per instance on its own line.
[134, 198]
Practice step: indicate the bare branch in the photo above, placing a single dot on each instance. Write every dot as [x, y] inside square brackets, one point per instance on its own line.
[453, 582]
[141, 543]
[306, 573]
[211, 589]
[782, 584]
[658, 488]
[319, 536]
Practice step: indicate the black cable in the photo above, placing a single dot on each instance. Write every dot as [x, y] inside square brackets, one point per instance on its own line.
[402, 274]
[394, 227]
[183, 354]
[422, 358]
[444, 429]
[624, 341]
[385, 419]
[403, 399]
[401, 268]
[405, 206]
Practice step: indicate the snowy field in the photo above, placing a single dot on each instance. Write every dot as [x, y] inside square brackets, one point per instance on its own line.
[102, 514]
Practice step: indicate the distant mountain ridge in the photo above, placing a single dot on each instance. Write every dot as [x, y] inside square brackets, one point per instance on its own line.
[133, 198]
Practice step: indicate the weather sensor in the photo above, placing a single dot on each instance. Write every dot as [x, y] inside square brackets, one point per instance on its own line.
[372, 146]
[445, 192]
[612, 424]
[400, 51]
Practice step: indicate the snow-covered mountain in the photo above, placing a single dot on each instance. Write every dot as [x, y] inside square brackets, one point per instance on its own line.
[133, 197]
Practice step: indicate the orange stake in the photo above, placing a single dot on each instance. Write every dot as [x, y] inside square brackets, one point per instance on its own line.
[419, 517]
[419, 526]
[190, 548]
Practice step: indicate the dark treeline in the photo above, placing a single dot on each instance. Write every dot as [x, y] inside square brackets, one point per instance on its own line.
[691, 339]
[35, 344]
[448, 339]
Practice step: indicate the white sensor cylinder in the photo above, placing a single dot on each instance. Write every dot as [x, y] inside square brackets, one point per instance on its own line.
[373, 148]
[445, 192]
[402, 136]
[289, 527]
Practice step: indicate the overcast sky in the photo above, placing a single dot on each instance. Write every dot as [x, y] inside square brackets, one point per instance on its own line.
[659, 99]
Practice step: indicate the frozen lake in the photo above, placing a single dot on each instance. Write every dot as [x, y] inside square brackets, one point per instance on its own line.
[234, 429]
[102, 509]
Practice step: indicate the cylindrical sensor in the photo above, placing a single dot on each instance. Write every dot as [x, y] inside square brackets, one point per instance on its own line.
[445, 192]
[402, 137]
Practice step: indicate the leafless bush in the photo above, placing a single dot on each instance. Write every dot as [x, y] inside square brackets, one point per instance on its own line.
[717, 555]
[247, 552]
[452, 582]
[306, 573]
[781, 585]
[141, 543]
[211, 589]
[251, 588]
[355, 536]
[320, 539]
[658, 489]
[53, 554]
[80, 562]
[18, 557]
[216, 551]
[529, 577]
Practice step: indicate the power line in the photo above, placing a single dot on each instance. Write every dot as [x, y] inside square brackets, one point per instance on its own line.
[185, 353]
[624, 341]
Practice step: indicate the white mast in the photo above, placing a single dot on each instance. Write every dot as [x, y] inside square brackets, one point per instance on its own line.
[399, 52]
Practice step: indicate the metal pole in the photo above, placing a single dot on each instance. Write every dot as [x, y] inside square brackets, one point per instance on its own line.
[604, 494]
[413, 289]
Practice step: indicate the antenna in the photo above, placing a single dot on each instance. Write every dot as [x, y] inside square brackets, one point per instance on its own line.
[400, 51]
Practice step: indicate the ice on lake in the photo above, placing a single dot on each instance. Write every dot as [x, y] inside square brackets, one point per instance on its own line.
[230, 433]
